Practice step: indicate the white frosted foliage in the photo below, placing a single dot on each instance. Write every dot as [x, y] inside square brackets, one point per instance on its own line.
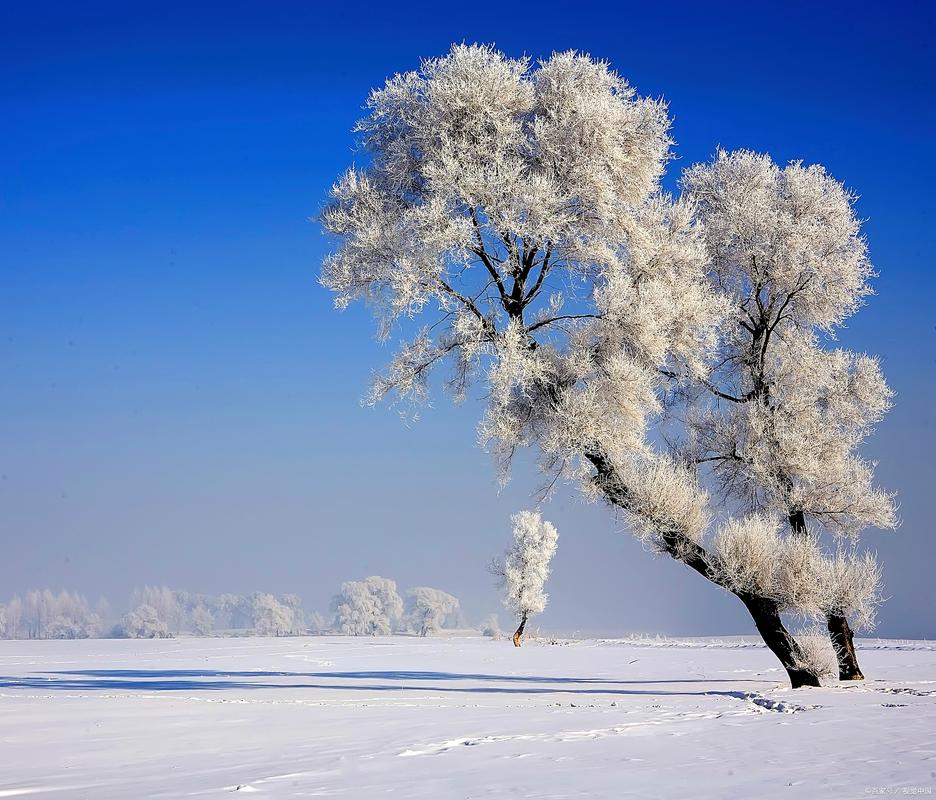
[272, 617]
[367, 608]
[788, 413]
[754, 558]
[525, 567]
[143, 623]
[427, 609]
[508, 222]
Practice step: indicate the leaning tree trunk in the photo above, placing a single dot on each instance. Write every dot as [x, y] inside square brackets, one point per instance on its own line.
[764, 611]
[840, 631]
[775, 635]
[518, 634]
[842, 640]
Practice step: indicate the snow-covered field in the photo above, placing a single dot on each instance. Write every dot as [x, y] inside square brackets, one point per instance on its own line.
[456, 717]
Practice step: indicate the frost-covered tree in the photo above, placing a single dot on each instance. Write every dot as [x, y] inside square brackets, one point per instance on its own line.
[316, 622]
[367, 608]
[104, 614]
[385, 591]
[143, 623]
[294, 603]
[168, 604]
[202, 620]
[233, 611]
[509, 221]
[85, 626]
[490, 626]
[357, 612]
[427, 609]
[785, 414]
[37, 612]
[47, 615]
[271, 617]
[14, 617]
[523, 570]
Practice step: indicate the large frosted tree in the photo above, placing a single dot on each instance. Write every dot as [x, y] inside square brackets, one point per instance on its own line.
[780, 420]
[508, 220]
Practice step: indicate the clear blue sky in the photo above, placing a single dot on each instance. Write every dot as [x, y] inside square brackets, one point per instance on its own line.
[178, 400]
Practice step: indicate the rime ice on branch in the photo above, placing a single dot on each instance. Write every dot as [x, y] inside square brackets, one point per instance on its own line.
[780, 419]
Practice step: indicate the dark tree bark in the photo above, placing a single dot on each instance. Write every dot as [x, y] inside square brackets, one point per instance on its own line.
[764, 612]
[842, 640]
[840, 631]
[518, 634]
[781, 643]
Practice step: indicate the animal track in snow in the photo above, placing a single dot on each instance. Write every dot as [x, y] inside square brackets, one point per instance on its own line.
[906, 690]
[563, 736]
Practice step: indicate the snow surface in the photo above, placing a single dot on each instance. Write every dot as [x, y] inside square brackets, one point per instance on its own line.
[456, 717]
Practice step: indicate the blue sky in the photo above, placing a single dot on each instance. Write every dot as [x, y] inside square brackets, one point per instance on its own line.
[179, 401]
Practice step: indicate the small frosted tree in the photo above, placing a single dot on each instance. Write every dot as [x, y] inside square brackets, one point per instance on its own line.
[14, 618]
[202, 620]
[367, 608]
[143, 623]
[233, 611]
[166, 602]
[316, 622]
[294, 603]
[490, 626]
[427, 609]
[780, 421]
[104, 614]
[523, 571]
[37, 612]
[389, 600]
[271, 617]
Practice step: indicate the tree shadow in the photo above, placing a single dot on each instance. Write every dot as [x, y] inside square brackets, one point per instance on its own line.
[397, 681]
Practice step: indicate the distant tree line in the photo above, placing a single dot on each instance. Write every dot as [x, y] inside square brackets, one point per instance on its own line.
[46, 615]
[369, 607]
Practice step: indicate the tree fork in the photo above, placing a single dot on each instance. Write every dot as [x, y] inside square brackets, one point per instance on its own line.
[763, 611]
[775, 635]
[840, 631]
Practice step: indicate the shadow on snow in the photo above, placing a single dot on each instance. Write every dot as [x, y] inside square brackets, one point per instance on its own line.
[187, 680]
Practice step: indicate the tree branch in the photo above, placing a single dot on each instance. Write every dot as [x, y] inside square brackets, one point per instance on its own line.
[711, 388]
[550, 320]
[482, 253]
[467, 302]
[544, 269]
